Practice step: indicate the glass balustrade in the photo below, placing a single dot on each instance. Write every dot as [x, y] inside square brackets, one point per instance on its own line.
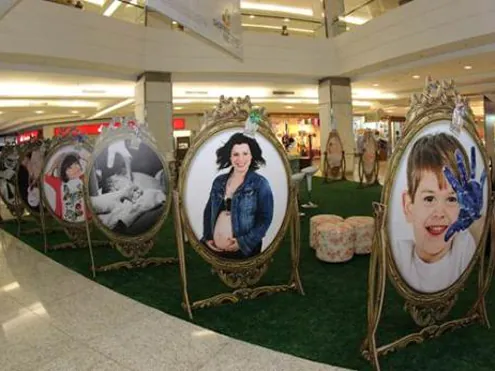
[273, 16]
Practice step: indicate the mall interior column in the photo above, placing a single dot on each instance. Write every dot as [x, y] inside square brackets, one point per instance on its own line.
[335, 93]
[153, 104]
[334, 9]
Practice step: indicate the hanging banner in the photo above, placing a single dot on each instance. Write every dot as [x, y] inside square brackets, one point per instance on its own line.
[218, 21]
[6, 6]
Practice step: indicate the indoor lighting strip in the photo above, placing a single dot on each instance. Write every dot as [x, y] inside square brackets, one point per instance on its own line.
[276, 28]
[115, 107]
[276, 8]
[12, 103]
[112, 8]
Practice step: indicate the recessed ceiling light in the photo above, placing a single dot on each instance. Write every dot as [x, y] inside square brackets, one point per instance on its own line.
[287, 20]
[416, 77]
[376, 85]
[178, 108]
[74, 112]
[39, 112]
[289, 107]
[251, 16]
[174, 22]
[468, 67]
[1, 113]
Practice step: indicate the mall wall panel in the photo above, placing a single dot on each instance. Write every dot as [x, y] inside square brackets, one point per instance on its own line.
[417, 29]
[45, 30]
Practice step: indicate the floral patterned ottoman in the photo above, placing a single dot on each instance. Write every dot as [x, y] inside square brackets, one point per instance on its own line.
[315, 221]
[335, 242]
[364, 228]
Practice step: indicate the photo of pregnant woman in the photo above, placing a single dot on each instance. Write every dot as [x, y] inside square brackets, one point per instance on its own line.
[128, 188]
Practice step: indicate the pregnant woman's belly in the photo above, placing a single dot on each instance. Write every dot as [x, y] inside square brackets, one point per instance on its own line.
[223, 230]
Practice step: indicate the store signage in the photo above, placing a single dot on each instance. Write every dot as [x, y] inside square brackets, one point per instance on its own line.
[27, 136]
[218, 21]
[179, 123]
[88, 129]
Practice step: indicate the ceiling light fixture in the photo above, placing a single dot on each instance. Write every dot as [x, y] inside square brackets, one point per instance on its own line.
[96, 2]
[174, 22]
[112, 8]
[178, 108]
[39, 112]
[289, 107]
[117, 106]
[252, 16]
[48, 103]
[277, 8]
[353, 19]
[468, 67]
[74, 112]
[416, 77]
[287, 20]
[376, 85]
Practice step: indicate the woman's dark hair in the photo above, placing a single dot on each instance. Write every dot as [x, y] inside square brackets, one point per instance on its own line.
[68, 161]
[224, 152]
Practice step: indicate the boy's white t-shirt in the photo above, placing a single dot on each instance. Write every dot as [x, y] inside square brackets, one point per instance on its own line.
[433, 277]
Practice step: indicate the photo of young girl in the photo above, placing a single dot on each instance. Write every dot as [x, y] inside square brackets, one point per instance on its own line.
[8, 166]
[63, 181]
[439, 191]
[128, 187]
[236, 194]
[28, 178]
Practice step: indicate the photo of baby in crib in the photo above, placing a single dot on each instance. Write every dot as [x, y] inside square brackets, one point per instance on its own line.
[128, 187]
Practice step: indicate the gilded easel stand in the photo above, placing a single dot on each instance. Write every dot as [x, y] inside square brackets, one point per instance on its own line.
[136, 253]
[428, 310]
[77, 237]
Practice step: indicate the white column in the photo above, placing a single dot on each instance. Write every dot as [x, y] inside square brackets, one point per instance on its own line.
[334, 9]
[153, 104]
[335, 93]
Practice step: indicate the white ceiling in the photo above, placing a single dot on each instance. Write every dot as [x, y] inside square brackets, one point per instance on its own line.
[55, 97]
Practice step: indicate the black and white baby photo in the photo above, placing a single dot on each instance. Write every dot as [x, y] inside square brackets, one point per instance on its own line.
[128, 187]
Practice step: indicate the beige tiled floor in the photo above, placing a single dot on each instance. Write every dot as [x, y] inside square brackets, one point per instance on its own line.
[54, 319]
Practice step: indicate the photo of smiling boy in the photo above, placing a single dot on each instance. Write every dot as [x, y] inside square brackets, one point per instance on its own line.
[441, 250]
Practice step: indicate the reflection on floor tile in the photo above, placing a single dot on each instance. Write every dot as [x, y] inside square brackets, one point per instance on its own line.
[54, 319]
[241, 356]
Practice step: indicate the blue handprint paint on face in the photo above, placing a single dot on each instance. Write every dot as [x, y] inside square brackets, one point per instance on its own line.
[469, 193]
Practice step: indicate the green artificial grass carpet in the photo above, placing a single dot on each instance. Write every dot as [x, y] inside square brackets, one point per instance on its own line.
[327, 325]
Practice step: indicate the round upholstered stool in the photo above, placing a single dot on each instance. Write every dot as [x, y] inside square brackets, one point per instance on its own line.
[335, 242]
[317, 220]
[364, 228]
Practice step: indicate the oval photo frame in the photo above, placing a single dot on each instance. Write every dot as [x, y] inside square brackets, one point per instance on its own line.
[335, 155]
[29, 168]
[124, 210]
[201, 181]
[62, 182]
[420, 208]
[9, 159]
[369, 156]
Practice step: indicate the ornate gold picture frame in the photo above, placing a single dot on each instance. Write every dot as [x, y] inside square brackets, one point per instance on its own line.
[8, 182]
[31, 157]
[368, 166]
[128, 192]
[432, 225]
[334, 164]
[265, 190]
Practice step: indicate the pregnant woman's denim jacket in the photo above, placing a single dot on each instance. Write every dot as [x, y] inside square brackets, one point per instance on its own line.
[251, 211]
